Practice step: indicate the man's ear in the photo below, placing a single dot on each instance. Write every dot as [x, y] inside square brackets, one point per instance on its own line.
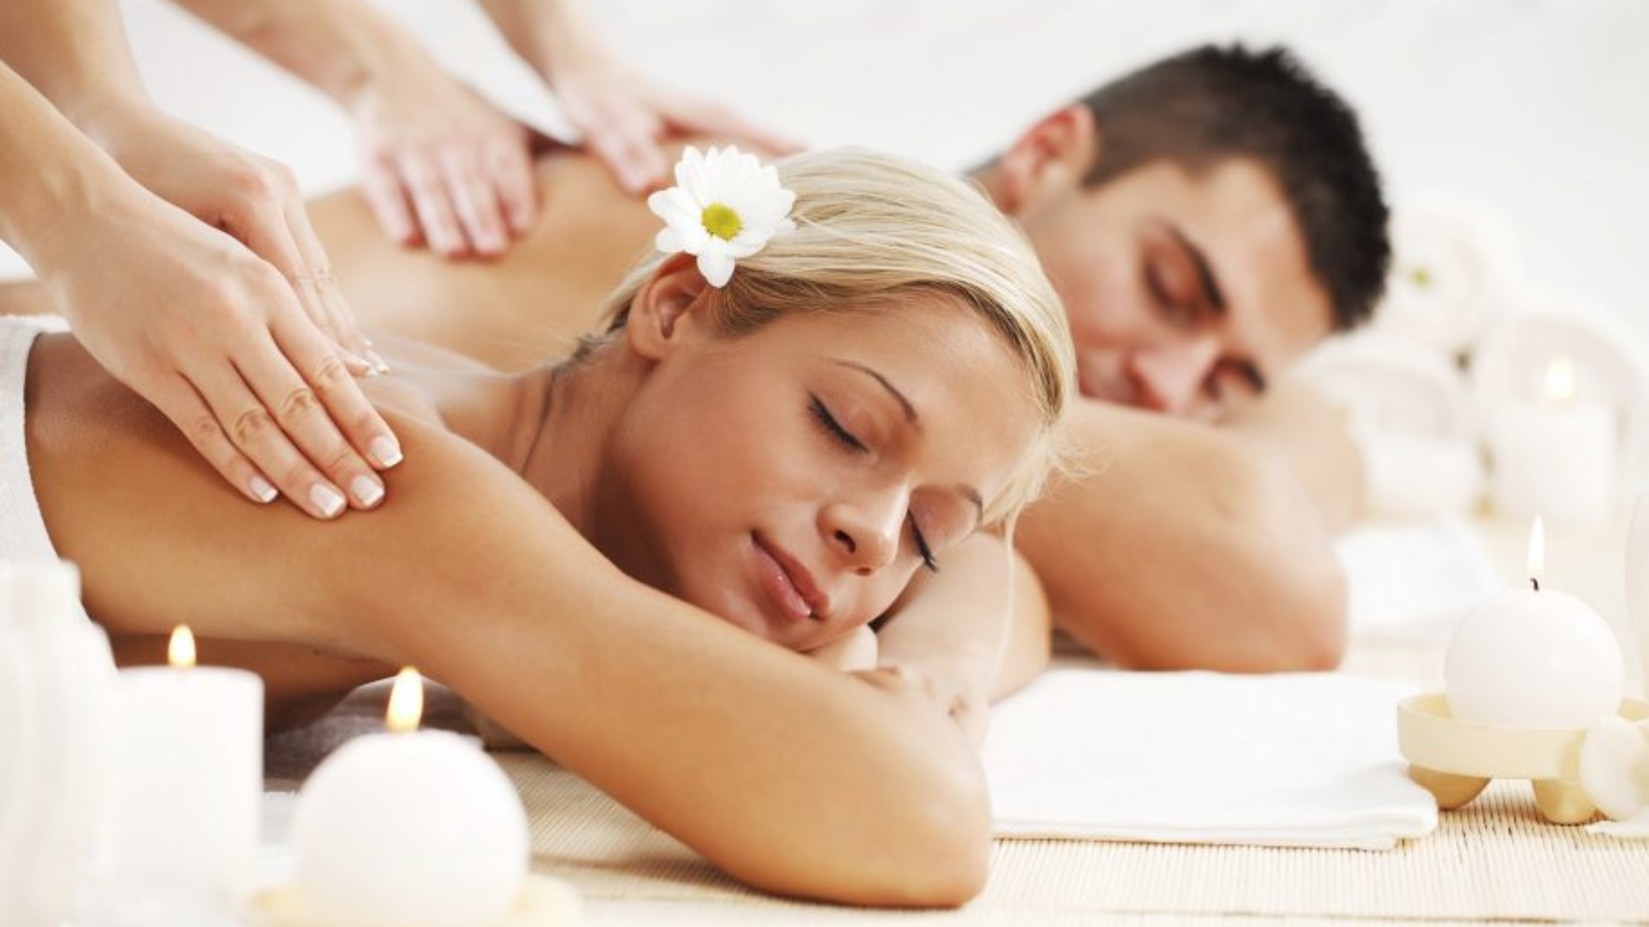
[1050, 158]
[660, 307]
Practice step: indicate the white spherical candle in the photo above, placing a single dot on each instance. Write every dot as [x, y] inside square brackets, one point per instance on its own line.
[412, 829]
[1534, 658]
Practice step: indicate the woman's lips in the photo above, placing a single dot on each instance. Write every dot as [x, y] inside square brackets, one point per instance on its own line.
[788, 583]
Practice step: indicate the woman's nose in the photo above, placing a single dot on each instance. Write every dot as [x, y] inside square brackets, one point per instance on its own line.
[865, 532]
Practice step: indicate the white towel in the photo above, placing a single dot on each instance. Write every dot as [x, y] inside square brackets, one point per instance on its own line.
[1409, 409]
[1294, 760]
[1414, 580]
[1451, 267]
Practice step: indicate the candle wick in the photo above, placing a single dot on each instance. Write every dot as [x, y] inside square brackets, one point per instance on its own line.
[1535, 582]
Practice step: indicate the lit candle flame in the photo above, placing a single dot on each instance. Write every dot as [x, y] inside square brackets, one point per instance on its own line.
[180, 651]
[1537, 551]
[406, 702]
[1560, 380]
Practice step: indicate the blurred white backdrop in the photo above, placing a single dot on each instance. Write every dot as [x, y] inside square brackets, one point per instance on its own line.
[1533, 108]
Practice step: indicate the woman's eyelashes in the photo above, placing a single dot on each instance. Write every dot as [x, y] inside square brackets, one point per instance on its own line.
[922, 548]
[833, 428]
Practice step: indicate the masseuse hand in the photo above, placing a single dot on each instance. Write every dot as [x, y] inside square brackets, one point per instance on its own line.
[247, 346]
[626, 118]
[442, 166]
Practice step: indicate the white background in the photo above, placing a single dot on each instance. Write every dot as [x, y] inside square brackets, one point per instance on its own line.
[1537, 109]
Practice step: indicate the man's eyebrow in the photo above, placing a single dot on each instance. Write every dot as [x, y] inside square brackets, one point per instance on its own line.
[1247, 369]
[967, 492]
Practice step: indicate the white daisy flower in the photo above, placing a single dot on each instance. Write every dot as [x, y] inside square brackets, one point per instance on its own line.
[725, 206]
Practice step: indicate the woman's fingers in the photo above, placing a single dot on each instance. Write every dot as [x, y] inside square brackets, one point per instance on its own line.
[179, 401]
[511, 171]
[388, 198]
[476, 203]
[428, 193]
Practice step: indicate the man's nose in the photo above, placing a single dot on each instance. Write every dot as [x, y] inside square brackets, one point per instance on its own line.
[1167, 377]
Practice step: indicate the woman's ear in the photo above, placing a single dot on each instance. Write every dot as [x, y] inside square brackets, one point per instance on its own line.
[1049, 159]
[654, 324]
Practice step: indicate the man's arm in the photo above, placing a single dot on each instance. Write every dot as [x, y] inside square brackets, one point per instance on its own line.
[1191, 546]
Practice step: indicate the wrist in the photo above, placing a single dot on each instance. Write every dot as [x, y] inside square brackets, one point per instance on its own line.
[66, 200]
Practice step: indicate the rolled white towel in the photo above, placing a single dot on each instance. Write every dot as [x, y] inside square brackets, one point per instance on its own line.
[1451, 270]
[1410, 413]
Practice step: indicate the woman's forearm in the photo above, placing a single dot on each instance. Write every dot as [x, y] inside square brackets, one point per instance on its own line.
[54, 177]
[548, 34]
[791, 776]
[75, 53]
[340, 47]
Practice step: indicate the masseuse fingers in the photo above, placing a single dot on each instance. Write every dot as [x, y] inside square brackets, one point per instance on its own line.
[388, 199]
[179, 401]
[511, 171]
[256, 433]
[339, 319]
[695, 117]
[476, 203]
[428, 193]
[319, 398]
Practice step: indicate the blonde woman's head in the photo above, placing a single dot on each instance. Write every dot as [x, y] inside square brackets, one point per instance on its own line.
[872, 228]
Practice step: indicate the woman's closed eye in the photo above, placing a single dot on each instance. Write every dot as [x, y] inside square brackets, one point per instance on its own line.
[833, 428]
[922, 548]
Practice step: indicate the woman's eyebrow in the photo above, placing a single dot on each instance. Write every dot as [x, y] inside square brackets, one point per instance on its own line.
[910, 410]
[967, 492]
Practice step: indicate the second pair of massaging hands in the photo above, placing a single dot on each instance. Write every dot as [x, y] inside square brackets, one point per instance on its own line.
[243, 340]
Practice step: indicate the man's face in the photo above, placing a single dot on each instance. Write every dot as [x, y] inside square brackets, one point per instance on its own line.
[1187, 293]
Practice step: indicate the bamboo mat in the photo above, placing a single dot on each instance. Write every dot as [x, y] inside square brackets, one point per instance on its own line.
[1495, 859]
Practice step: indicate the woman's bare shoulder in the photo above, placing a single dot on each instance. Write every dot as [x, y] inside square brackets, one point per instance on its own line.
[161, 538]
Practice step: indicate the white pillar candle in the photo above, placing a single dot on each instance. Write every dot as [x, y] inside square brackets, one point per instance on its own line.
[179, 840]
[1554, 457]
[56, 680]
[409, 828]
[1533, 658]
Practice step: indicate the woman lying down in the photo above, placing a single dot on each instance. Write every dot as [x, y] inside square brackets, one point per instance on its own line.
[601, 553]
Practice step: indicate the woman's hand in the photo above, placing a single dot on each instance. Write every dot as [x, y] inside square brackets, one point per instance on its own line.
[625, 119]
[246, 345]
[442, 166]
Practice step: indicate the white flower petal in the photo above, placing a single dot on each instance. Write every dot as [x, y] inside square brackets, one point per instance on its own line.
[717, 267]
[667, 240]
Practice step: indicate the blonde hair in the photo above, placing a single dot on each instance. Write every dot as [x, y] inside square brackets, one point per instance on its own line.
[871, 228]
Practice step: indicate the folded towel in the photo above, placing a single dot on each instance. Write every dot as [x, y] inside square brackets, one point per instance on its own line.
[1450, 269]
[1409, 410]
[1414, 580]
[1296, 760]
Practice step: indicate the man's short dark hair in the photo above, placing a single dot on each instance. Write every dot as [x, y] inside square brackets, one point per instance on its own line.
[1212, 103]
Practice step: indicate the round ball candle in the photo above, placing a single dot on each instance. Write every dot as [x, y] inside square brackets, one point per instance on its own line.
[1534, 658]
[409, 829]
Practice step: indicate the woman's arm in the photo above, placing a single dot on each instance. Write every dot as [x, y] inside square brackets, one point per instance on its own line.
[977, 629]
[791, 776]
[786, 774]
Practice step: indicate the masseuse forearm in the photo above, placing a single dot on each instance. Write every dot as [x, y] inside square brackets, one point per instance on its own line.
[75, 52]
[341, 47]
[1187, 547]
[51, 175]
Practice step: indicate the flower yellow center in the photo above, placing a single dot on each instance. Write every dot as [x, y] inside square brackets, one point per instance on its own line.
[721, 221]
[1421, 277]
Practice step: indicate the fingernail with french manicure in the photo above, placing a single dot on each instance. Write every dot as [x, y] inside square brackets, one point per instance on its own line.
[385, 451]
[263, 490]
[379, 368]
[327, 499]
[367, 490]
